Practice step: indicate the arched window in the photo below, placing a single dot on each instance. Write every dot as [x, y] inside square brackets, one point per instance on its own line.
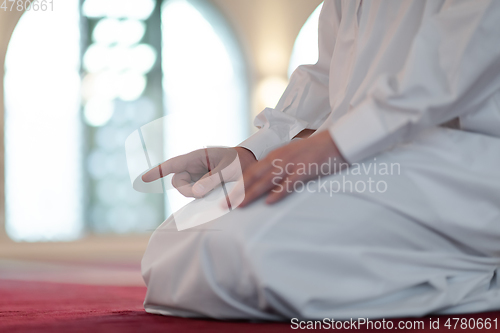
[81, 78]
[43, 155]
[204, 80]
[120, 92]
[305, 49]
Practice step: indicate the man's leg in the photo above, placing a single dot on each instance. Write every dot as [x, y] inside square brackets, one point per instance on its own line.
[426, 242]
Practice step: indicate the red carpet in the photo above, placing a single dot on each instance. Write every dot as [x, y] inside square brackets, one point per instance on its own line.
[27, 306]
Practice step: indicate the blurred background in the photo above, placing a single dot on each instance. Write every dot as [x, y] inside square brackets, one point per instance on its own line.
[79, 76]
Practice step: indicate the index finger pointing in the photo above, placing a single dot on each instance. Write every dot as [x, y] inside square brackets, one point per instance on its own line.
[173, 165]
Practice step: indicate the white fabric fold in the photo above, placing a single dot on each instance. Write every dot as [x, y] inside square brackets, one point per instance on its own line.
[389, 70]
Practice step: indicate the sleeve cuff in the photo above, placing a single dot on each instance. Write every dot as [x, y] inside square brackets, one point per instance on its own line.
[362, 133]
[262, 142]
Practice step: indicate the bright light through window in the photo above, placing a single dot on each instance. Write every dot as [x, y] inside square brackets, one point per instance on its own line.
[119, 91]
[48, 159]
[42, 127]
[204, 81]
[305, 49]
[136, 9]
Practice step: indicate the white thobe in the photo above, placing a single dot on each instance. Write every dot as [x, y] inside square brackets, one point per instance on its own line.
[387, 70]
[389, 74]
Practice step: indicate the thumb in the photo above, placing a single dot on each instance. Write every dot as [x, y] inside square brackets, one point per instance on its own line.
[207, 183]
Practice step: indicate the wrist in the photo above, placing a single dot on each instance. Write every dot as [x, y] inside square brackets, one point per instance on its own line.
[331, 146]
[246, 157]
[304, 134]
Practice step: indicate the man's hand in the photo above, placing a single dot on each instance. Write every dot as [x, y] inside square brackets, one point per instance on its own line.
[285, 165]
[197, 173]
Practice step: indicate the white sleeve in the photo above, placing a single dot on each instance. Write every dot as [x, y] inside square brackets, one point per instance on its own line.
[305, 102]
[452, 67]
